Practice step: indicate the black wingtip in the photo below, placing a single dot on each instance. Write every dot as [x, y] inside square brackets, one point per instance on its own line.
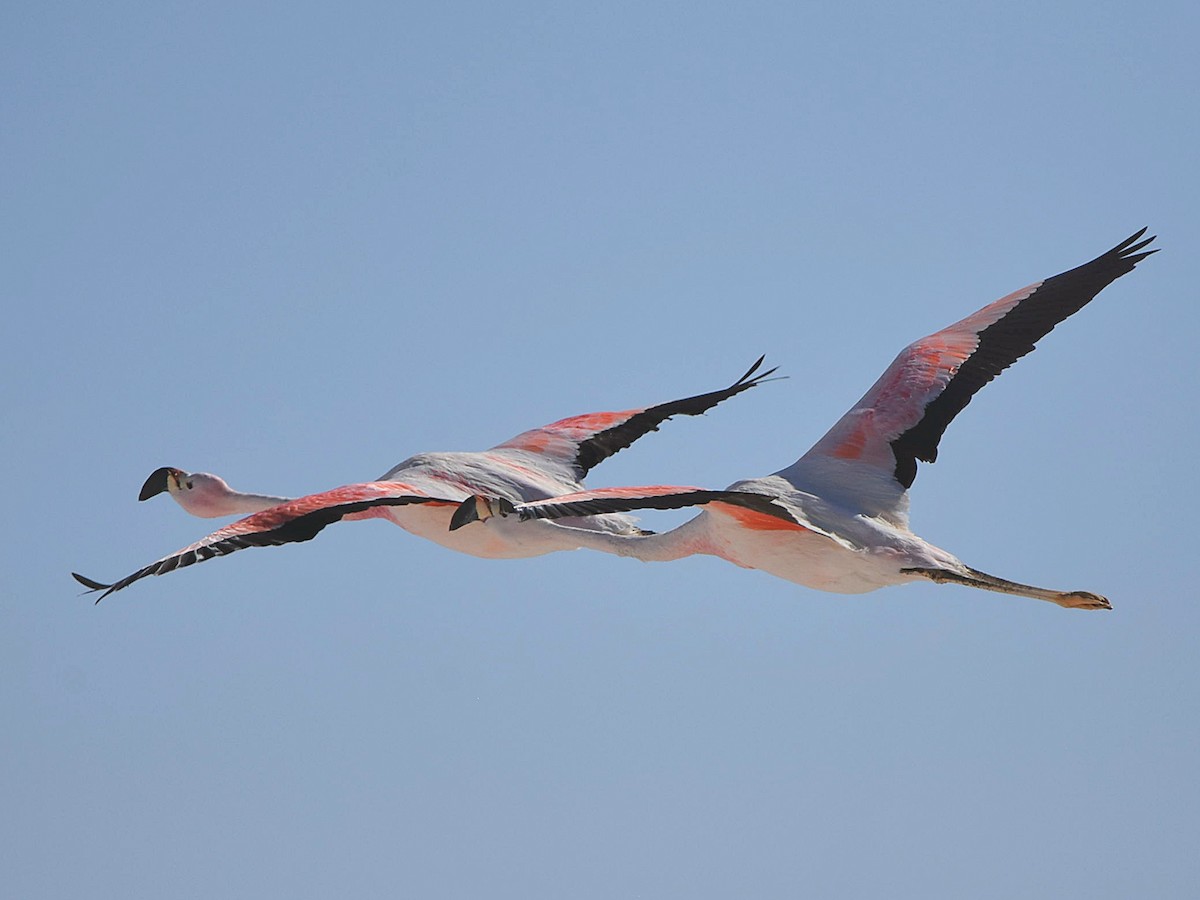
[754, 368]
[748, 381]
[93, 586]
[89, 583]
[156, 483]
[1132, 249]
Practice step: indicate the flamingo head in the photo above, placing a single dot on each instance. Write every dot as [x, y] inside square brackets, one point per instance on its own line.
[199, 493]
[479, 509]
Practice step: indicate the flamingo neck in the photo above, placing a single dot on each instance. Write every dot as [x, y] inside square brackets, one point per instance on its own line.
[689, 539]
[247, 504]
[213, 504]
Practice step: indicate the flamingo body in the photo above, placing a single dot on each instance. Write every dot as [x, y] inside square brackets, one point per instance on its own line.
[422, 493]
[840, 518]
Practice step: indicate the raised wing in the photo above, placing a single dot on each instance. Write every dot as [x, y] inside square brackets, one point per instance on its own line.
[584, 441]
[902, 417]
[623, 499]
[297, 520]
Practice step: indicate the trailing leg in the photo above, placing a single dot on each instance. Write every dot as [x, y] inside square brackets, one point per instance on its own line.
[976, 579]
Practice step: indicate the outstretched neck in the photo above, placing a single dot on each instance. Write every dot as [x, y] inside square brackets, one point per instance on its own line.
[248, 504]
[688, 539]
[212, 504]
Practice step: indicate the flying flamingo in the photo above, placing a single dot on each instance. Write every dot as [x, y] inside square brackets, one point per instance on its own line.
[422, 493]
[837, 518]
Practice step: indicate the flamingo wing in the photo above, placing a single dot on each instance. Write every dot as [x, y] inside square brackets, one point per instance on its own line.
[297, 520]
[750, 510]
[901, 419]
[587, 440]
[658, 496]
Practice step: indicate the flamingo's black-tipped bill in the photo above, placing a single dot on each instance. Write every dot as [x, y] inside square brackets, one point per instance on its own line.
[156, 483]
[477, 509]
[467, 512]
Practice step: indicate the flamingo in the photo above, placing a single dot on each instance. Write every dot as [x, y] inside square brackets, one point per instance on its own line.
[837, 518]
[422, 493]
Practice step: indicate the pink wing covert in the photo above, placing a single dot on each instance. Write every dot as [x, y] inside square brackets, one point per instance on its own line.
[917, 376]
[902, 418]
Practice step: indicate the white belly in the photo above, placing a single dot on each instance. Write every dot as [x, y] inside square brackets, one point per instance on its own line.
[503, 538]
[433, 523]
[808, 557]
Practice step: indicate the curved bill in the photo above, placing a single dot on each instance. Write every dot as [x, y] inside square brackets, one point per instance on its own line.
[479, 508]
[156, 483]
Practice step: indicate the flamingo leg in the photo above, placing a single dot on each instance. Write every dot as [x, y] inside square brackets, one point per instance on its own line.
[977, 579]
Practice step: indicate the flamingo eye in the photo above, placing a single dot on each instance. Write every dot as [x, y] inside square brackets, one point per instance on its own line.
[189, 484]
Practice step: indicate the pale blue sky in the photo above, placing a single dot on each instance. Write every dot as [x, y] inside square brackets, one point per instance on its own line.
[293, 244]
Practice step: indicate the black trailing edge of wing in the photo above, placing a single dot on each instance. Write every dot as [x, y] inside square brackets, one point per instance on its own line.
[548, 509]
[604, 444]
[1004, 342]
[301, 528]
